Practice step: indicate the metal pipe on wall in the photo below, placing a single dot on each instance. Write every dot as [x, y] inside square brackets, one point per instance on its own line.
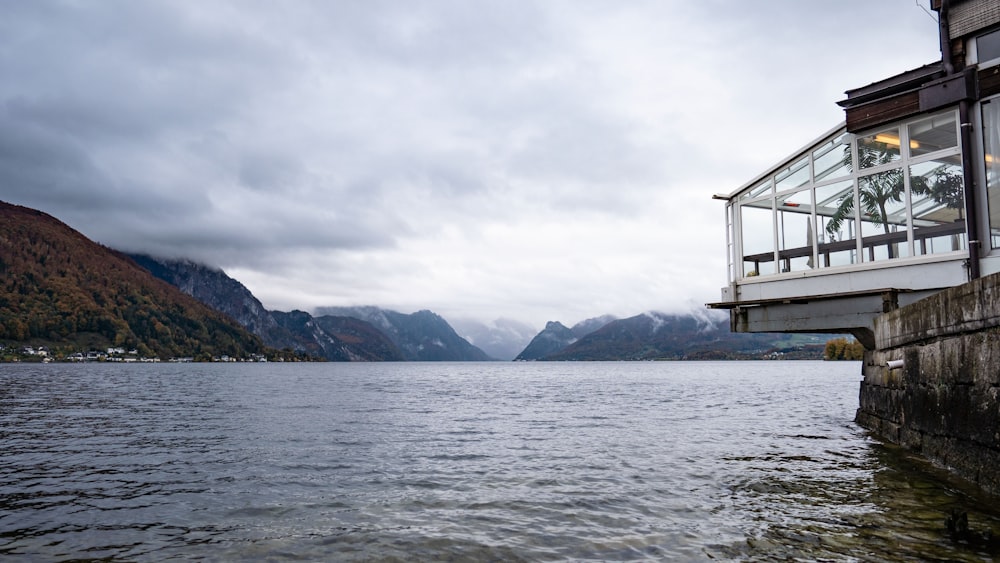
[968, 174]
[969, 179]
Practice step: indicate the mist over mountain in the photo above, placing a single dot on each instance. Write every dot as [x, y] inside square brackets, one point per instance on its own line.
[586, 326]
[556, 337]
[502, 339]
[59, 288]
[214, 288]
[343, 340]
[422, 336]
[553, 338]
[659, 336]
[340, 339]
[345, 334]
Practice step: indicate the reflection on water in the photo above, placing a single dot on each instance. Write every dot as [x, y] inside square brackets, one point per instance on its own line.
[564, 461]
[896, 508]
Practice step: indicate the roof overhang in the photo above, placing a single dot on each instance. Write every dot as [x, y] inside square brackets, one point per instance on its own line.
[894, 85]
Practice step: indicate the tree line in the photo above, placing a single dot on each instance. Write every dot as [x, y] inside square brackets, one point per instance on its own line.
[843, 349]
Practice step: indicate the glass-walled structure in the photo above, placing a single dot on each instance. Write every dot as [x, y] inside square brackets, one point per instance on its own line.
[853, 201]
[899, 203]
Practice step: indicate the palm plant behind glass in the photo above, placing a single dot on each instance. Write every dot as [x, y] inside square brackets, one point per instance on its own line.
[948, 189]
[878, 189]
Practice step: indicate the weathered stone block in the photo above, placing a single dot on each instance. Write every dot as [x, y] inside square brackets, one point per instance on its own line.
[945, 401]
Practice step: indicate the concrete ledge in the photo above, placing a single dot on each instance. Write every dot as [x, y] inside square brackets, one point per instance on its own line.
[964, 308]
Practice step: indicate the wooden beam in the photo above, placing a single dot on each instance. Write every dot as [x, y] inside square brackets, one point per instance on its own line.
[883, 111]
[989, 81]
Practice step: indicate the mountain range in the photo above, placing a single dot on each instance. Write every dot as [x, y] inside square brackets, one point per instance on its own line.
[336, 334]
[369, 333]
[660, 336]
[555, 337]
[422, 336]
[335, 339]
[60, 287]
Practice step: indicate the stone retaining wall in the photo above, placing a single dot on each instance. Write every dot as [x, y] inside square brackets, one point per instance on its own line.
[945, 400]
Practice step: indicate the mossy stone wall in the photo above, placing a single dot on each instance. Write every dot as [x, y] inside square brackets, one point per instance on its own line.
[945, 400]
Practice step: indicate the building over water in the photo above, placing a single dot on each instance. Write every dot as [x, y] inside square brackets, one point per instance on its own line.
[899, 202]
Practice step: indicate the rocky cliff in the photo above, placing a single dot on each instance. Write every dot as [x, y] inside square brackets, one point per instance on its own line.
[422, 336]
[333, 339]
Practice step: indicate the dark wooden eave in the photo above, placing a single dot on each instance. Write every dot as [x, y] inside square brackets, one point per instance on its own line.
[888, 100]
[894, 85]
[920, 90]
[989, 81]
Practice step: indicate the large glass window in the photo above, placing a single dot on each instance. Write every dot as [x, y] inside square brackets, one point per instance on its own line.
[933, 134]
[794, 176]
[795, 231]
[878, 149]
[938, 195]
[836, 224]
[991, 146]
[760, 189]
[833, 159]
[891, 194]
[988, 47]
[757, 229]
[883, 215]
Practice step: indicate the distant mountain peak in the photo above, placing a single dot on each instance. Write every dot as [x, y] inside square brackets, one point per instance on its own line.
[553, 338]
[422, 336]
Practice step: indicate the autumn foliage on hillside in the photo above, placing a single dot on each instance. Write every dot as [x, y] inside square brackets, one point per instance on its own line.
[56, 286]
[842, 349]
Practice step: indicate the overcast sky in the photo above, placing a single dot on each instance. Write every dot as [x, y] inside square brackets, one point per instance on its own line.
[534, 160]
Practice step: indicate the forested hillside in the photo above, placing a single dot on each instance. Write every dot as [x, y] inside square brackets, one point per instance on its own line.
[59, 288]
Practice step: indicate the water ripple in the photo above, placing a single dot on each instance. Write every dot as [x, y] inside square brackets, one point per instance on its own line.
[595, 461]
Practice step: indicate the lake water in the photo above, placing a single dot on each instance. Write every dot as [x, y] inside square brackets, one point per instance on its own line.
[462, 461]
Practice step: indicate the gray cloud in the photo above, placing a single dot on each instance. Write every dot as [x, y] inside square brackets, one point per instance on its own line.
[528, 160]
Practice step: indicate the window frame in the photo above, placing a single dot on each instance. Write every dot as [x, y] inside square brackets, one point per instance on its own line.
[765, 187]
